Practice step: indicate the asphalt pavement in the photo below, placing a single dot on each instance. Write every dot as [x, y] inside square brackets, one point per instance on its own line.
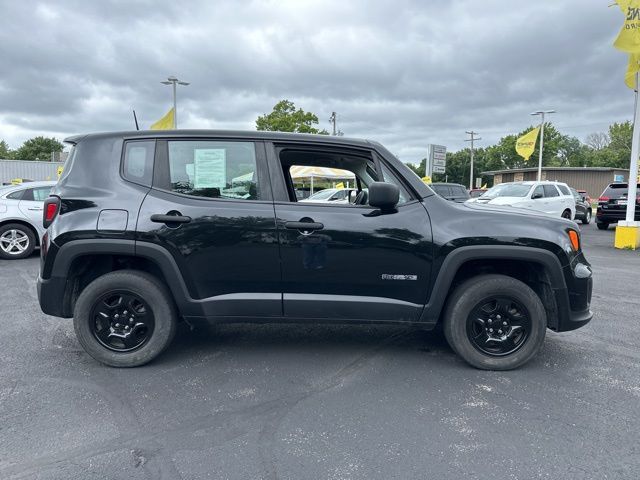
[323, 402]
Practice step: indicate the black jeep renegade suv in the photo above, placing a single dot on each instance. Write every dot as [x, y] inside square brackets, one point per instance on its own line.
[149, 228]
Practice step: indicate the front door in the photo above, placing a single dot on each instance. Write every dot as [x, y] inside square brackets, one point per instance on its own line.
[210, 207]
[349, 261]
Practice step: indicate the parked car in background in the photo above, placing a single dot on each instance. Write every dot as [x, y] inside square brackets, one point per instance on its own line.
[612, 205]
[451, 191]
[551, 198]
[476, 192]
[334, 195]
[583, 207]
[586, 196]
[21, 218]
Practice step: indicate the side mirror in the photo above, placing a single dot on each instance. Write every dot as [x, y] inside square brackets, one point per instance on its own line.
[536, 195]
[384, 196]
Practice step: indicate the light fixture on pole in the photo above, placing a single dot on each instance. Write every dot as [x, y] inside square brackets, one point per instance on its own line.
[542, 113]
[174, 81]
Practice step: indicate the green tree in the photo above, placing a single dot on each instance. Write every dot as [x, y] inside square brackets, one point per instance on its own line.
[38, 148]
[285, 118]
[5, 152]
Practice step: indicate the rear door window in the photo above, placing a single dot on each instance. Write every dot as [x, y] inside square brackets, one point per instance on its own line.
[564, 190]
[550, 191]
[213, 169]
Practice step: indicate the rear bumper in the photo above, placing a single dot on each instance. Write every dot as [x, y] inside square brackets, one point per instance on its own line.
[604, 215]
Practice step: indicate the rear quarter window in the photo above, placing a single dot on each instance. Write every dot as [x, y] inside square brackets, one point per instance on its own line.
[137, 165]
[564, 190]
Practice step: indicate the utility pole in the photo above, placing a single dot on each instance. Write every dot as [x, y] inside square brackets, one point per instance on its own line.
[472, 139]
[542, 114]
[174, 81]
[333, 119]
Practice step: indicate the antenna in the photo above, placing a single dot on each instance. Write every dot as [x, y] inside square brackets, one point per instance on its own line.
[135, 119]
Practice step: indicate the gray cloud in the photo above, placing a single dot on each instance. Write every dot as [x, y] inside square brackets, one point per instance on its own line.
[406, 73]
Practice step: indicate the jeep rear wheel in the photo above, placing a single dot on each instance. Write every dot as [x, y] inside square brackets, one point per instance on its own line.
[495, 322]
[125, 318]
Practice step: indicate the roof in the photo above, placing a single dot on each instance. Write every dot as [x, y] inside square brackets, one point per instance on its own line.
[249, 134]
[553, 169]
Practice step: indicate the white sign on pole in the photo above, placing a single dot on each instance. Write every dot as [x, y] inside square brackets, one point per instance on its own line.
[437, 158]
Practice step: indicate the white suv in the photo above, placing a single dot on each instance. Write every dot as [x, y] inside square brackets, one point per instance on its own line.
[551, 198]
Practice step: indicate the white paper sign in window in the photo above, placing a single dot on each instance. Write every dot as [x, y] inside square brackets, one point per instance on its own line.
[210, 168]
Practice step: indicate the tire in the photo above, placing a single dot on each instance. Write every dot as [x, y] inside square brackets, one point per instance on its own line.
[459, 328]
[153, 333]
[602, 226]
[566, 214]
[587, 218]
[16, 241]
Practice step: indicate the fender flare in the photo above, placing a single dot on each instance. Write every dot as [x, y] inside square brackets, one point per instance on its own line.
[74, 249]
[455, 259]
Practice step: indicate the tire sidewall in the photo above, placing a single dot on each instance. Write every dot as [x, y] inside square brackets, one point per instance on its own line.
[587, 218]
[30, 235]
[472, 292]
[143, 285]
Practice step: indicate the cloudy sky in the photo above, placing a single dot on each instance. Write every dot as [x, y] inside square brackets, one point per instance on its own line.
[403, 72]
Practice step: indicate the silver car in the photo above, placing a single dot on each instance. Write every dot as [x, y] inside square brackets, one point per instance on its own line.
[21, 218]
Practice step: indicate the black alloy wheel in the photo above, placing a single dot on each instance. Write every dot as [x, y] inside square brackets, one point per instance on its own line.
[498, 326]
[122, 321]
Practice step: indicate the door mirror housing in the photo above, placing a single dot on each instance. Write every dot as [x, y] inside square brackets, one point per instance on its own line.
[536, 195]
[384, 196]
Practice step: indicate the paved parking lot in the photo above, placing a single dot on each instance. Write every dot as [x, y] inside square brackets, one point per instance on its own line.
[333, 402]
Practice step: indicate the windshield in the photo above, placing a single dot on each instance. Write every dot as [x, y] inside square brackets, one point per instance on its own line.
[507, 190]
[322, 195]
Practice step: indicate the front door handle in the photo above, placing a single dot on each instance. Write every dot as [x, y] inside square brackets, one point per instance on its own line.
[160, 218]
[304, 226]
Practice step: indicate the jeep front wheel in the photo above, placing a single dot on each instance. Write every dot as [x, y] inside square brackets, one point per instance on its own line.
[125, 318]
[495, 322]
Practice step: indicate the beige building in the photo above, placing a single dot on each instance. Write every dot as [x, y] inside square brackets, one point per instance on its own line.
[592, 179]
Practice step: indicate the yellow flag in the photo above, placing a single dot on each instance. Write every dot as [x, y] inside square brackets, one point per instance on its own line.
[632, 68]
[629, 37]
[340, 186]
[526, 144]
[426, 179]
[165, 123]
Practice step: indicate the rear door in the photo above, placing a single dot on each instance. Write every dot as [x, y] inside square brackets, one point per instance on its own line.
[352, 262]
[211, 208]
[31, 204]
[553, 202]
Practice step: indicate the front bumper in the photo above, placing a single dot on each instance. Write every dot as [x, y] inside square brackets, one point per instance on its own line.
[573, 303]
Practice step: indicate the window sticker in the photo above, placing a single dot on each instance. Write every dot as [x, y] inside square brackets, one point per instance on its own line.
[209, 168]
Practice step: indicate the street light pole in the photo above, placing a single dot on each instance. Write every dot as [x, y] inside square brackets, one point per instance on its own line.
[472, 139]
[173, 81]
[542, 114]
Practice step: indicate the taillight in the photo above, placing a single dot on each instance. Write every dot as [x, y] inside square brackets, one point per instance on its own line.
[603, 199]
[50, 210]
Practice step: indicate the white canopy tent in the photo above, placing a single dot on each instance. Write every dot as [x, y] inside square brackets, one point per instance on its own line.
[325, 173]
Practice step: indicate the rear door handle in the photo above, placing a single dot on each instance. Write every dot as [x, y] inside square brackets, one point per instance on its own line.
[160, 218]
[304, 226]
[35, 209]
